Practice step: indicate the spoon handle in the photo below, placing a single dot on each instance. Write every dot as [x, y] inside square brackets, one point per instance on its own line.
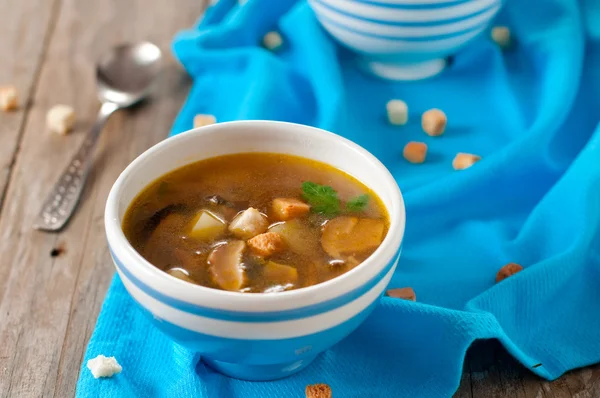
[62, 201]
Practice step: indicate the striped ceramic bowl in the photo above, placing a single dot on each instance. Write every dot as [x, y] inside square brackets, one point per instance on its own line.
[405, 39]
[255, 336]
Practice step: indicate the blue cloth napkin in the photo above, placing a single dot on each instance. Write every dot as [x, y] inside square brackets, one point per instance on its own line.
[532, 113]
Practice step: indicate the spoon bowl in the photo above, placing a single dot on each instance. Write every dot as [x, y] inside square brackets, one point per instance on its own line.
[124, 75]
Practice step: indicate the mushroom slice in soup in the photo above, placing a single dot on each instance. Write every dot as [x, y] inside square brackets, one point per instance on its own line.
[226, 268]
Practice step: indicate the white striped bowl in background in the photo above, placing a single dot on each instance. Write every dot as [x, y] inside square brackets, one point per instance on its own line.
[255, 336]
[405, 39]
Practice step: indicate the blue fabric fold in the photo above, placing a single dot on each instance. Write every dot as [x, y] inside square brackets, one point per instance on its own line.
[531, 112]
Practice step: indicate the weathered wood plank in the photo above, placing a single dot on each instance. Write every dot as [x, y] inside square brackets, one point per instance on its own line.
[516, 380]
[96, 268]
[464, 390]
[580, 383]
[495, 373]
[485, 370]
[25, 28]
[49, 305]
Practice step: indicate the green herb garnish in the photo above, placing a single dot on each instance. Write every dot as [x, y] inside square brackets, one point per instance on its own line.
[358, 203]
[322, 198]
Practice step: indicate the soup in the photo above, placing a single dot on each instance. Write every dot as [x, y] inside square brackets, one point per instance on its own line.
[256, 222]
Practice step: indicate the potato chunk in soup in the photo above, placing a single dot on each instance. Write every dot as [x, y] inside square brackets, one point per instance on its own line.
[256, 223]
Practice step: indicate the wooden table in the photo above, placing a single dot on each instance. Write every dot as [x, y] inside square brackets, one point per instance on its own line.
[49, 305]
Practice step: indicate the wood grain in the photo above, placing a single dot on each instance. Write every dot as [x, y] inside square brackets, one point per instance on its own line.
[49, 305]
[25, 29]
[494, 373]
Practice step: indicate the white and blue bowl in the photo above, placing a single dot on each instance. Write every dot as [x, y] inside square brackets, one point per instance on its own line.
[405, 39]
[255, 336]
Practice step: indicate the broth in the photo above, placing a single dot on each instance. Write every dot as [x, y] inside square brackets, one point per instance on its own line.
[256, 222]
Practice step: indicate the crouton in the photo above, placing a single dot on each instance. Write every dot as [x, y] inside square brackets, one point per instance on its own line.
[502, 36]
[204, 120]
[60, 119]
[272, 41]
[397, 112]
[405, 293]
[9, 100]
[288, 208]
[266, 244]
[508, 270]
[434, 122]
[318, 391]
[464, 161]
[415, 152]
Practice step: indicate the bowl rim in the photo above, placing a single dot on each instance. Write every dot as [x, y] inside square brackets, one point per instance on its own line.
[215, 299]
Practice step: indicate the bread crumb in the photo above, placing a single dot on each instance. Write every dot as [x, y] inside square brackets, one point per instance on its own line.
[9, 100]
[318, 391]
[60, 119]
[397, 112]
[272, 41]
[434, 122]
[501, 35]
[464, 160]
[405, 293]
[288, 208]
[102, 366]
[508, 270]
[415, 152]
[204, 120]
[266, 244]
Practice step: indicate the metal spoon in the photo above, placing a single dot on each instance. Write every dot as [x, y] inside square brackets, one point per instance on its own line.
[123, 77]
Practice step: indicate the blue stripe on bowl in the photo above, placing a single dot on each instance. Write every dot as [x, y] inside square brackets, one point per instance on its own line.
[374, 28]
[414, 6]
[262, 351]
[406, 23]
[239, 316]
[260, 359]
[384, 50]
[430, 38]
